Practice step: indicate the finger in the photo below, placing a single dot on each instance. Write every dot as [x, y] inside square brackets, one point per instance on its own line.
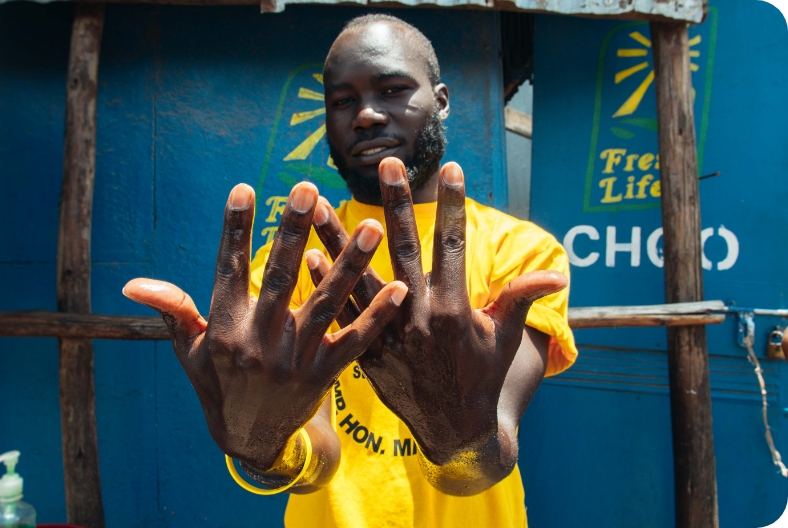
[334, 237]
[330, 297]
[511, 307]
[175, 306]
[447, 282]
[230, 299]
[318, 268]
[349, 343]
[403, 236]
[281, 272]
[329, 228]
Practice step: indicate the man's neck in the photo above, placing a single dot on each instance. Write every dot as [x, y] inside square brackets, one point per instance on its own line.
[425, 194]
[429, 192]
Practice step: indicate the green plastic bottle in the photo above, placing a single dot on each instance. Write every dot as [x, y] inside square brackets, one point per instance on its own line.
[16, 513]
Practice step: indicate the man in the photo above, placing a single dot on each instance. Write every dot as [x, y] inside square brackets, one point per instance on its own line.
[422, 429]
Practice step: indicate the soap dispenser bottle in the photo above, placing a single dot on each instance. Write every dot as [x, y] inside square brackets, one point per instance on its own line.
[15, 513]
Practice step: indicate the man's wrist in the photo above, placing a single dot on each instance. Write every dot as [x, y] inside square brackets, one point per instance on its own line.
[442, 439]
[284, 469]
[473, 470]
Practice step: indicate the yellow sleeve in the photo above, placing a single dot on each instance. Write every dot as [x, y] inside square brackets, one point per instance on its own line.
[521, 248]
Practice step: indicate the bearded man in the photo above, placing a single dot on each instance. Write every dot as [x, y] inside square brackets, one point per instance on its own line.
[385, 389]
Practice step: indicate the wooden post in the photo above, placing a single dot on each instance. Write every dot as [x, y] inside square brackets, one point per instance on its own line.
[690, 396]
[77, 391]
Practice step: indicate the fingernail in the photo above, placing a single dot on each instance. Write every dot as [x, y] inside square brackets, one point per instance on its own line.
[399, 295]
[241, 197]
[452, 174]
[369, 236]
[390, 172]
[321, 213]
[302, 199]
[312, 260]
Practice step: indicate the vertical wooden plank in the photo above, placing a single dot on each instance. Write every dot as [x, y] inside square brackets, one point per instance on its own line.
[690, 397]
[77, 392]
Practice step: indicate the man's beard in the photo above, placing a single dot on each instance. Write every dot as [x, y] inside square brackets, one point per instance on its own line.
[430, 148]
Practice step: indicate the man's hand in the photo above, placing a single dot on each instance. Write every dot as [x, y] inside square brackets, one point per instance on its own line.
[440, 365]
[260, 369]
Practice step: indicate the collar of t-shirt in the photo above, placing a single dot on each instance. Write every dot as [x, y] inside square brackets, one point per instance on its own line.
[357, 211]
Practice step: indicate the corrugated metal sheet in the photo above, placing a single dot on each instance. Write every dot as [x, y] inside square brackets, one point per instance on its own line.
[686, 10]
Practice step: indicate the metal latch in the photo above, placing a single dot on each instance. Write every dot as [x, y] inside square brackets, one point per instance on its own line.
[774, 349]
[745, 334]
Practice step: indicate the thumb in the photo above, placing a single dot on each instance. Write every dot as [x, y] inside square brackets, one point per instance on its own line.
[175, 306]
[511, 307]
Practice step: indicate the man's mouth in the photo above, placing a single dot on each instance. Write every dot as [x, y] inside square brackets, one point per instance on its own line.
[370, 151]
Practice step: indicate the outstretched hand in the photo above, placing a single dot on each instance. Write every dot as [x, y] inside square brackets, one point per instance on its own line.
[260, 369]
[439, 365]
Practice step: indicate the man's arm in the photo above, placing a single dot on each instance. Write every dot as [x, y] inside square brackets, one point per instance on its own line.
[440, 365]
[260, 369]
[498, 457]
[326, 455]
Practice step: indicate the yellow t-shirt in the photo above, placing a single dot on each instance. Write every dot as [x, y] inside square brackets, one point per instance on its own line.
[379, 483]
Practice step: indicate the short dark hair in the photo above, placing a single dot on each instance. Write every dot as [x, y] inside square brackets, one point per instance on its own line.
[422, 43]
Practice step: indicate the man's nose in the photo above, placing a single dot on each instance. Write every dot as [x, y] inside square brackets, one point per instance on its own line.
[369, 117]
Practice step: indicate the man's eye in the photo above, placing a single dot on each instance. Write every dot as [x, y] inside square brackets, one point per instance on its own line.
[342, 102]
[393, 90]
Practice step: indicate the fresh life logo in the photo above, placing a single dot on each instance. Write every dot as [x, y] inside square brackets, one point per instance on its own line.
[623, 164]
[296, 151]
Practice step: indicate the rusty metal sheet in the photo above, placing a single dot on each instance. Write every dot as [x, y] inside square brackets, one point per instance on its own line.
[685, 10]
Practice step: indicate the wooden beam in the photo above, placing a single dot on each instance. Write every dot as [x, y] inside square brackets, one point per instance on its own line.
[680, 314]
[77, 392]
[690, 397]
[519, 122]
[643, 321]
[688, 308]
[93, 326]
[82, 326]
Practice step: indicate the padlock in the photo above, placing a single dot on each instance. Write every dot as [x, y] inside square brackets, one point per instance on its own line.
[774, 349]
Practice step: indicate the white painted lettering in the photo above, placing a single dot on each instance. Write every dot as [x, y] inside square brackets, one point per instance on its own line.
[569, 245]
[704, 236]
[654, 253]
[733, 249]
[613, 247]
[651, 248]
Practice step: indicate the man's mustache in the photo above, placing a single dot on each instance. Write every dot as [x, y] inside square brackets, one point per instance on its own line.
[370, 135]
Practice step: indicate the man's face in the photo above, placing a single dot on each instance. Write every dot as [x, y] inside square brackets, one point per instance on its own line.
[380, 103]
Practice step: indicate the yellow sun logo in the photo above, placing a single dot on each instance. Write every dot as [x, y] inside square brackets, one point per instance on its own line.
[305, 148]
[633, 101]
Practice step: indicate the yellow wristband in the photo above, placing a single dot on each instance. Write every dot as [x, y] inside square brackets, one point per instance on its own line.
[262, 491]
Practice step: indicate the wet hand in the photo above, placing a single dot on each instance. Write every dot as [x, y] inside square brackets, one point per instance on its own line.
[260, 369]
[439, 365]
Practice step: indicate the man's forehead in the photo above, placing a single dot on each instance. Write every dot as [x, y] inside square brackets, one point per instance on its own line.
[376, 47]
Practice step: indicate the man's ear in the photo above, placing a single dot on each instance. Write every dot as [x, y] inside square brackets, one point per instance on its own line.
[441, 93]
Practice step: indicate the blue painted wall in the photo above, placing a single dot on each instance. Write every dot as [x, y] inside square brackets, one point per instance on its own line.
[598, 436]
[192, 100]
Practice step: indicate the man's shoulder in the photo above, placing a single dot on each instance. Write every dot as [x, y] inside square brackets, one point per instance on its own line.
[498, 225]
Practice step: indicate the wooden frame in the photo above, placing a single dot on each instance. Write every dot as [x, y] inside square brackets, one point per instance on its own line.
[77, 390]
[695, 481]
